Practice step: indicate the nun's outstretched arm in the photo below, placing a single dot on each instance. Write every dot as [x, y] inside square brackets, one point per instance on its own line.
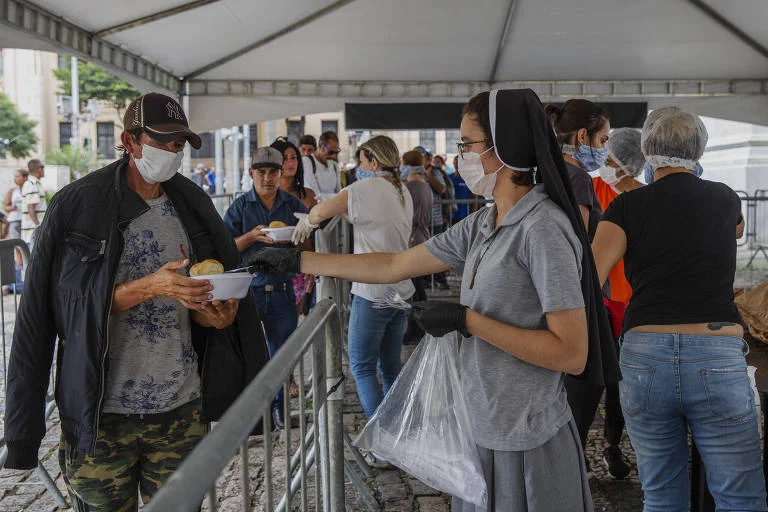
[608, 248]
[374, 268]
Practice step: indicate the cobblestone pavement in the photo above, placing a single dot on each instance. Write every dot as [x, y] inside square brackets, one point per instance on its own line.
[394, 489]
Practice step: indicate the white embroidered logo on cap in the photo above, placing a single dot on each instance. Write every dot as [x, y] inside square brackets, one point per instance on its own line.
[173, 110]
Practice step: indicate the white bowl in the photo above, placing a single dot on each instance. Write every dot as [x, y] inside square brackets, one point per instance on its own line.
[280, 234]
[228, 286]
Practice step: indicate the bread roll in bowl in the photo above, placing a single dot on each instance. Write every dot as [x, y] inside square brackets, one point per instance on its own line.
[206, 268]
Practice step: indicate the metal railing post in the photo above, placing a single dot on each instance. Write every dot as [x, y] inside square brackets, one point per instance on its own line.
[334, 338]
[245, 477]
[8, 250]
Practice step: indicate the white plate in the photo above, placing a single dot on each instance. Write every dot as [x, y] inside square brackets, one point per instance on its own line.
[280, 234]
[228, 286]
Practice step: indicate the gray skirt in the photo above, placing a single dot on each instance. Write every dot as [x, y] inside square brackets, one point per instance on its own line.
[550, 478]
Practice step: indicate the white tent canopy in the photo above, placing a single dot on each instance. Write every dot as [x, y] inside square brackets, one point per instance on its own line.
[251, 60]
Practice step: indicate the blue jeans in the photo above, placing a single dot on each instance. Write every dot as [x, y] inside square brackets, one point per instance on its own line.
[375, 339]
[675, 382]
[277, 310]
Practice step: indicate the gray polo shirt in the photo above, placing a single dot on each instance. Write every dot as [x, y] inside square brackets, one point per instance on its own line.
[528, 266]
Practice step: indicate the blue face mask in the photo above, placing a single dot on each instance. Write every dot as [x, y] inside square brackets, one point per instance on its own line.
[591, 158]
[363, 175]
[648, 173]
[698, 171]
[405, 170]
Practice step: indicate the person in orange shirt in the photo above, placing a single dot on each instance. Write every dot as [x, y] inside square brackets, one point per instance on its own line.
[625, 162]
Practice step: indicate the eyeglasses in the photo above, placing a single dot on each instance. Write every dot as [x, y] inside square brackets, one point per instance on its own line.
[464, 146]
[331, 151]
[263, 173]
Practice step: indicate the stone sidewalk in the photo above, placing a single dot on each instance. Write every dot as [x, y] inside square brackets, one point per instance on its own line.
[395, 490]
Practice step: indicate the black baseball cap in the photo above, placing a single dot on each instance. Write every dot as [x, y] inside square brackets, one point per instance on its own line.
[161, 117]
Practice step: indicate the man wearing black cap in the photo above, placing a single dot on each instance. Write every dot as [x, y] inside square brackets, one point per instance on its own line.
[108, 278]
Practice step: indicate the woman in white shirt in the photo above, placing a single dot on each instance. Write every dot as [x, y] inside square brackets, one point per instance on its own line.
[381, 209]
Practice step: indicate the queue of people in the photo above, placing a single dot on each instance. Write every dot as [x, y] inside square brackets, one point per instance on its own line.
[539, 348]
[548, 323]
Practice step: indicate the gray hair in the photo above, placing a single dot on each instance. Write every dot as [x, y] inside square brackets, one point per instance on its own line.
[672, 137]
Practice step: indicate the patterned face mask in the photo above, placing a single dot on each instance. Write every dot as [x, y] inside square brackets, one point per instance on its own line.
[591, 158]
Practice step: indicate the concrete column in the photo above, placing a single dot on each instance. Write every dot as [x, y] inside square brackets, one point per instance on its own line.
[233, 176]
[219, 162]
[246, 151]
[186, 164]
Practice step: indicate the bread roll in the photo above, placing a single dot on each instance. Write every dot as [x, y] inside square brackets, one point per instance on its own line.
[277, 224]
[206, 268]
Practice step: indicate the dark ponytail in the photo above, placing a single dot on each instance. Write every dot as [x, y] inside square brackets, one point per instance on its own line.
[574, 115]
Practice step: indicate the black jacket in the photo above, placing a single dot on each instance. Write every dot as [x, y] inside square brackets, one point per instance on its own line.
[68, 293]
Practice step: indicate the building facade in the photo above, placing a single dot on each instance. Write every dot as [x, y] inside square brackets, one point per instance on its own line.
[26, 77]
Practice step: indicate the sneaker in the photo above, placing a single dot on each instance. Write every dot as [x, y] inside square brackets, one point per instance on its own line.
[614, 461]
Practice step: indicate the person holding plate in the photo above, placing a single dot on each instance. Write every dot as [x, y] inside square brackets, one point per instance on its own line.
[266, 206]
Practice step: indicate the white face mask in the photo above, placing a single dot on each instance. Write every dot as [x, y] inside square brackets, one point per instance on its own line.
[608, 174]
[474, 174]
[157, 165]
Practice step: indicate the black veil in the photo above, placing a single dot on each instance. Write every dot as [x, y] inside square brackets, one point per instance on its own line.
[523, 138]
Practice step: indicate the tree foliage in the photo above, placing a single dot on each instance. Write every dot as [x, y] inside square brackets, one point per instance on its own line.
[17, 135]
[96, 82]
[77, 159]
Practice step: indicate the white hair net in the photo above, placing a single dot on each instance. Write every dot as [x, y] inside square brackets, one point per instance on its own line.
[673, 138]
[624, 149]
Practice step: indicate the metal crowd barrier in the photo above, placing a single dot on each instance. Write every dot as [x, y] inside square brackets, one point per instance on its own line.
[8, 249]
[755, 209]
[321, 446]
[222, 202]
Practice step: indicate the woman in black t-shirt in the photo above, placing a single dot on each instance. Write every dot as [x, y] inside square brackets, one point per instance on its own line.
[683, 356]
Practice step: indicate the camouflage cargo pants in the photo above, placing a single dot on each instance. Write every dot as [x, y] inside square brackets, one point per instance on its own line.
[132, 453]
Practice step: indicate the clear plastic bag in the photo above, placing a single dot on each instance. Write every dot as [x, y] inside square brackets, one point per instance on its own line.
[422, 425]
[394, 301]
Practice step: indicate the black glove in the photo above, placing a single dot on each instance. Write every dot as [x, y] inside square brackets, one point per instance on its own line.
[273, 261]
[439, 318]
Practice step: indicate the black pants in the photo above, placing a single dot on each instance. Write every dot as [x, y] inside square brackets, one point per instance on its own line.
[584, 399]
[413, 332]
[614, 418]
[421, 288]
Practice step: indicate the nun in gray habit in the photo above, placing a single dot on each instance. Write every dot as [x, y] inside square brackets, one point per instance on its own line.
[522, 270]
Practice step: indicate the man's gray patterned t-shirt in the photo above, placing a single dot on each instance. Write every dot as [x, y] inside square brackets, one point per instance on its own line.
[152, 363]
